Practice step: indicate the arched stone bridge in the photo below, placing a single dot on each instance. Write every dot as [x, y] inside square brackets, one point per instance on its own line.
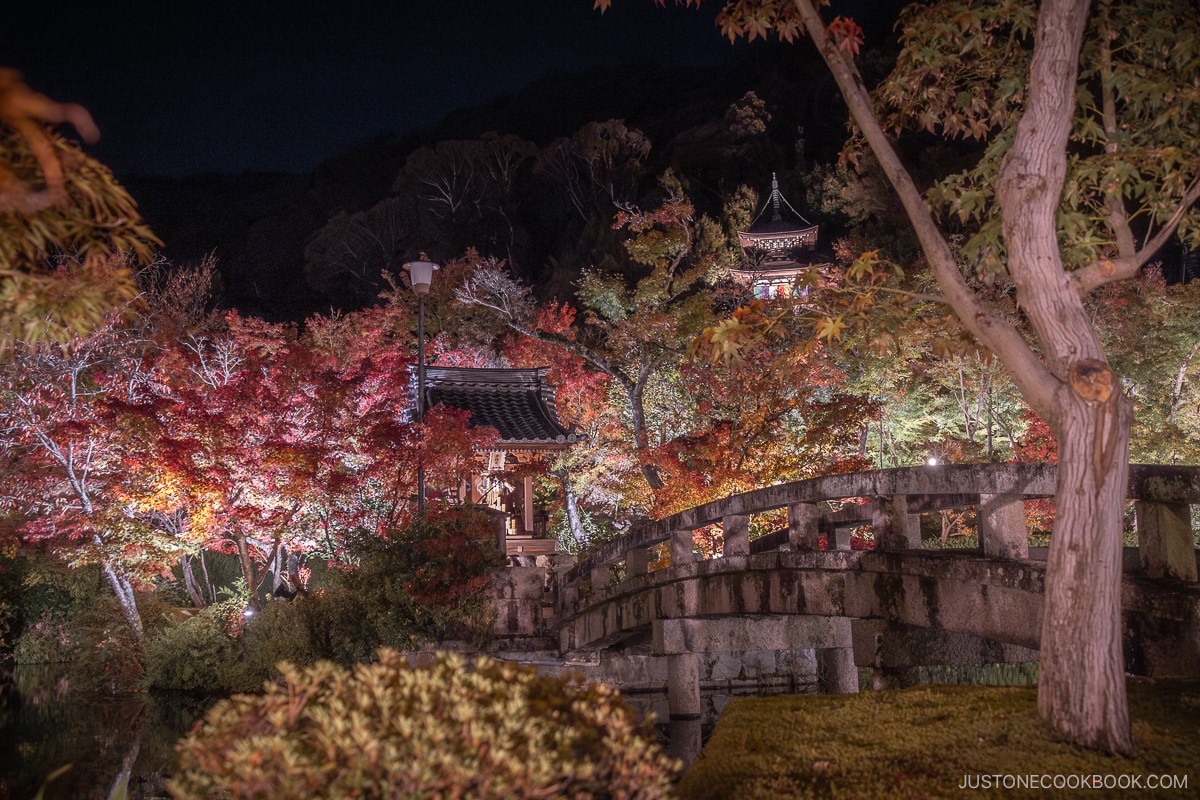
[895, 604]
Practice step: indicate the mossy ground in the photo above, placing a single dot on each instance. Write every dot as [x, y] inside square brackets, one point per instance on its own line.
[921, 742]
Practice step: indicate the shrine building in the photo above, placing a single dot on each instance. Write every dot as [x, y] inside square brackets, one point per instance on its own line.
[778, 249]
[519, 404]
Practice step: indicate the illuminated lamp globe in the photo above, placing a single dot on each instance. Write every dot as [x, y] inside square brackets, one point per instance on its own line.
[932, 461]
[420, 274]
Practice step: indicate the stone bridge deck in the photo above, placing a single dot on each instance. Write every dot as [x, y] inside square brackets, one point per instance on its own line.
[784, 593]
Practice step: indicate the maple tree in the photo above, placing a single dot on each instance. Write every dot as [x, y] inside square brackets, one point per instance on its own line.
[69, 234]
[781, 415]
[73, 418]
[628, 333]
[278, 443]
[141, 446]
[594, 472]
[1087, 167]
[365, 421]
[689, 430]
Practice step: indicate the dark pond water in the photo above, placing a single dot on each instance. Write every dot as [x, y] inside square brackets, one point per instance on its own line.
[117, 746]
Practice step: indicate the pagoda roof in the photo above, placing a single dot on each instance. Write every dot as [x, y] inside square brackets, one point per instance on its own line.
[774, 226]
[778, 221]
[783, 242]
[516, 402]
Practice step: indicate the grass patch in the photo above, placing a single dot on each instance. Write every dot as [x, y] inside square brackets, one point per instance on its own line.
[921, 742]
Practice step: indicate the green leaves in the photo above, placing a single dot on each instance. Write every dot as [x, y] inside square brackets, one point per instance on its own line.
[64, 268]
[962, 73]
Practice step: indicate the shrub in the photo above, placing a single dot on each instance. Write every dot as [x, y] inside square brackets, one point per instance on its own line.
[426, 583]
[447, 556]
[488, 729]
[197, 654]
[70, 618]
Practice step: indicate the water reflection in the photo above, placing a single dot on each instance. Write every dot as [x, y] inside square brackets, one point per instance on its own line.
[117, 745]
[685, 738]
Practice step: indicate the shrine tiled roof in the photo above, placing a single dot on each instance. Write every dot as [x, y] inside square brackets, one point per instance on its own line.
[516, 402]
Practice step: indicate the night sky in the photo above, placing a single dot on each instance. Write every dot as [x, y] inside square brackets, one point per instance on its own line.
[220, 86]
[191, 88]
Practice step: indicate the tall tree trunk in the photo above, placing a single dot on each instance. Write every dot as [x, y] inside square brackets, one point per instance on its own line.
[247, 563]
[641, 435]
[571, 500]
[194, 590]
[1180, 375]
[123, 589]
[1081, 689]
[209, 589]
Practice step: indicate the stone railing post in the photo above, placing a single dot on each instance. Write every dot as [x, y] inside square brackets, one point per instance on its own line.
[841, 673]
[802, 526]
[683, 548]
[895, 528]
[1165, 547]
[637, 561]
[683, 685]
[839, 538]
[735, 529]
[600, 576]
[1002, 530]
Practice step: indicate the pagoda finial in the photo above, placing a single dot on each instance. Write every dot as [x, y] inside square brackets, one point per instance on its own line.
[775, 215]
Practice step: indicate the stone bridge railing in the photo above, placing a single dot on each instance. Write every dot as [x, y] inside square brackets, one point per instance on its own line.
[782, 592]
[894, 499]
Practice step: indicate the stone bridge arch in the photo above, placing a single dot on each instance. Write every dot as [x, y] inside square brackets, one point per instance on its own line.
[782, 591]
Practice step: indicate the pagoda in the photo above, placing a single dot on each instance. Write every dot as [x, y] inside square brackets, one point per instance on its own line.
[778, 249]
[520, 405]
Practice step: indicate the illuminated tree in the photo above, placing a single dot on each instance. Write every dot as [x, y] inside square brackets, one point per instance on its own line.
[1151, 333]
[73, 418]
[1088, 166]
[274, 443]
[360, 400]
[779, 416]
[628, 333]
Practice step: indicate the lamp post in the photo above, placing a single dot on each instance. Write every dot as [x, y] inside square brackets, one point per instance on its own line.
[420, 275]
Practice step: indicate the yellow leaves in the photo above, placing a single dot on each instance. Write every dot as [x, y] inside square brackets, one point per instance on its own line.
[830, 328]
[725, 341]
[863, 266]
[758, 22]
